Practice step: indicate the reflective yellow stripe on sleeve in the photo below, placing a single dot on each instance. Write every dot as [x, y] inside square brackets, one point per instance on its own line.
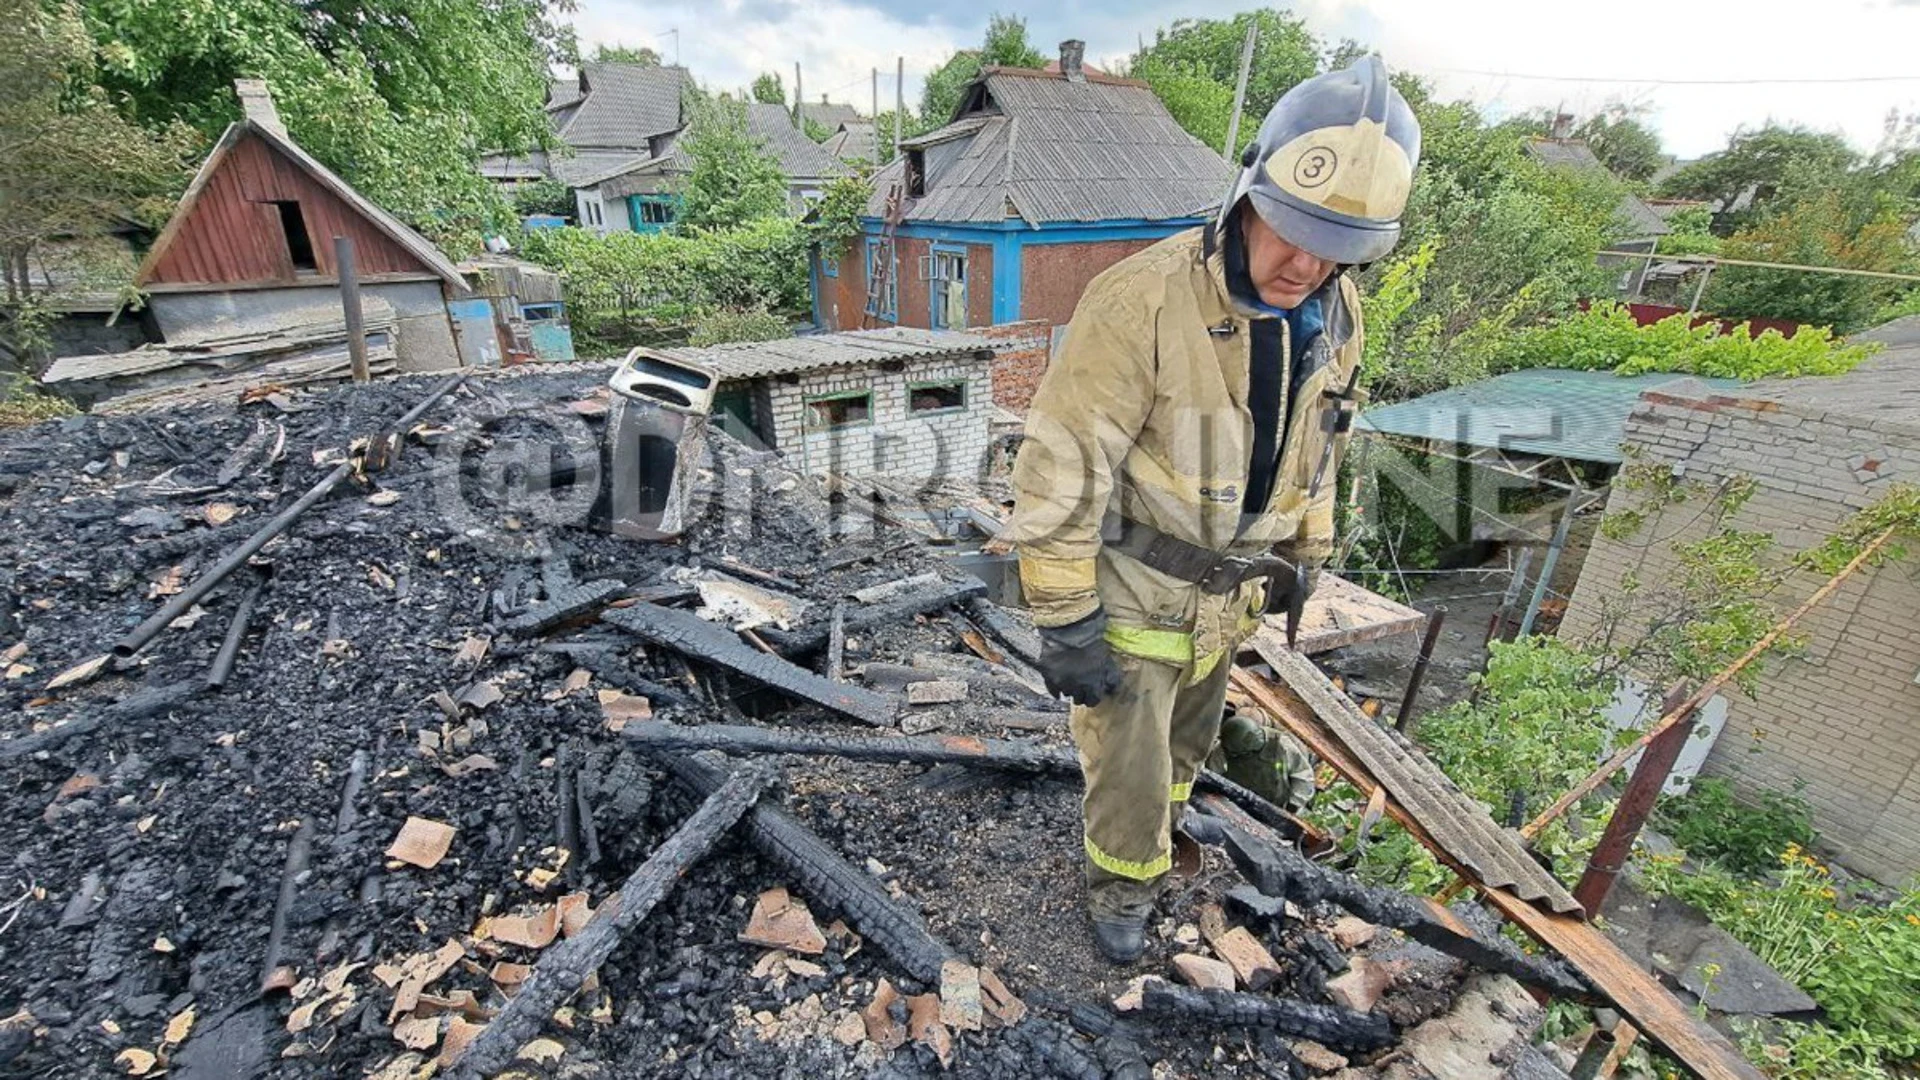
[1167, 646]
[1181, 792]
[1138, 871]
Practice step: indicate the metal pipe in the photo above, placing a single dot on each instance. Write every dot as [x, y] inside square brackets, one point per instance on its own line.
[230, 646]
[1635, 806]
[205, 583]
[1594, 1056]
[1240, 94]
[349, 275]
[1546, 567]
[1403, 721]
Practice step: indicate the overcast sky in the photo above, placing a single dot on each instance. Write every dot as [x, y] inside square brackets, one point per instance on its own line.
[1652, 52]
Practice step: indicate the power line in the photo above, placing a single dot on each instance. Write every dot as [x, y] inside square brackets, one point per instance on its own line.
[1682, 82]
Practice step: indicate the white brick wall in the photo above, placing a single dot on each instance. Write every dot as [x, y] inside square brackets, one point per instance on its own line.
[894, 442]
[1844, 718]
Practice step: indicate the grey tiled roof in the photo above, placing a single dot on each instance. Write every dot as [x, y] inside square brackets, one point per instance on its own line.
[854, 142]
[830, 114]
[1633, 215]
[800, 157]
[1046, 149]
[585, 168]
[756, 359]
[624, 105]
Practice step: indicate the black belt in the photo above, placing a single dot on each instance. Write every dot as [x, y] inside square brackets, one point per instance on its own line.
[1216, 572]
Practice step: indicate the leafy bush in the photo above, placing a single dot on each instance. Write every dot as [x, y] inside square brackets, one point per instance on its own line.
[835, 219]
[1711, 824]
[735, 179]
[1605, 338]
[22, 403]
[723, 326]
[543, 197]
[1859, 960]
[626, 289]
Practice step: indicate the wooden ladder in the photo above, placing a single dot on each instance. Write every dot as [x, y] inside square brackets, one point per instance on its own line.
[883, 268]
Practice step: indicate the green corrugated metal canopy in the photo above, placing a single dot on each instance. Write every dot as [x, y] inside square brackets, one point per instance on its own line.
[1581, 415]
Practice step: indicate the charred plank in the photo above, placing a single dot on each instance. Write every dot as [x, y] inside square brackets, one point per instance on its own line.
[564, 967]
[933, 598]
[1326, 1024]
[737, 739]
[138, 705]
[824, 875]
[570, 603]
[692, 636]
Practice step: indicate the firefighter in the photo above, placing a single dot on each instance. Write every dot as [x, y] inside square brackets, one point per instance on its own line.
[1177, 479]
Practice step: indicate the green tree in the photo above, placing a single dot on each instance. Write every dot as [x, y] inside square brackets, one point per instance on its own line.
[1193, 49]
[1006, 45]
[769, 90]
[398, 97]
[624, 54]
[734, 179]
[70, 167]
[1768, 162]
[912, 123]
[1198, 102]
[1622, 142]
[1850, 225]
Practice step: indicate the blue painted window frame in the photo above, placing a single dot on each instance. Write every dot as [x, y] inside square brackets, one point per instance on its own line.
[936, 250]
[889, 298]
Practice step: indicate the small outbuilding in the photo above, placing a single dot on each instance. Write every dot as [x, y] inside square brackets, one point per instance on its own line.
[897, 402]
[251, 247]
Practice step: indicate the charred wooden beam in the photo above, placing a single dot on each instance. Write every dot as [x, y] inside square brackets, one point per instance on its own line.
[1326, 1024]
[564, 968]
[827, 877]
[692, 636]
[1054, 1045]
[223, 660]
[891, 749]
[814, 638]
[299, 854]
[1276, 869]
[1023, 641]
[564, 606]
[1005, 687]
[139, 705]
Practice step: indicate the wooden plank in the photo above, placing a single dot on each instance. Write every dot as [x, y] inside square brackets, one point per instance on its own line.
[1633, 989]
[1341, 613]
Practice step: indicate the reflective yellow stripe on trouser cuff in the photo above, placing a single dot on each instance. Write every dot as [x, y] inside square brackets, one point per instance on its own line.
[1181, 792]
[1167, 646]
[1138, 871]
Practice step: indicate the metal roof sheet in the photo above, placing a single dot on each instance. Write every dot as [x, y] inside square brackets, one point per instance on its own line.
[1548, 411]
[756, 359]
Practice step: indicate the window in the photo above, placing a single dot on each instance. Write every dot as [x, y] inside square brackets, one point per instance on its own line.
[656, 211]
[849, 409]
[947, 289]
[883, 268]
[299, 245]
[916, 173]
[940, 397]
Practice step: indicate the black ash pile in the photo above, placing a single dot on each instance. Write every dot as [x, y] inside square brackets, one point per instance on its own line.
[454, 805]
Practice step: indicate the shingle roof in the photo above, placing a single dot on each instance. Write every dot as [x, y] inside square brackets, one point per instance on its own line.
[1884, 389]
[830, 114]
[622, 105]
[756, 359]
[1633, 214]
[1547, 411]
[854, 142]
[800, 158]
[1047, 149]
[585, 168]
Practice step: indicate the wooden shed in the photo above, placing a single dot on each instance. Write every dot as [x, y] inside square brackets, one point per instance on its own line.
[252, 242]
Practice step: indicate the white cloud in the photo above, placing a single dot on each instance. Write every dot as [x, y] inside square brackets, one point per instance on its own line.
[838, 42]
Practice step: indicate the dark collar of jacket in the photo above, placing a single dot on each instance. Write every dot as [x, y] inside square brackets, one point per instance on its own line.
[1333, 304]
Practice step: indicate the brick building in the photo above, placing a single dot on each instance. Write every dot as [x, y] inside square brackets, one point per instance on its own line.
[1842, 718]
[898, 402]
[1042, 180]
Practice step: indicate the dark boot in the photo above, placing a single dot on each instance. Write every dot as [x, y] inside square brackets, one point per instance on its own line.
[1118, 909]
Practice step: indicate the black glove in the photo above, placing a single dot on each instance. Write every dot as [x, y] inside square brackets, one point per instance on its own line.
[1281, 590]
[1077, 662]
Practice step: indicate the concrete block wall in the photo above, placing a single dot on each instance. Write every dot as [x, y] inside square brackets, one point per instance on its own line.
[1843, 718]
[894, 441]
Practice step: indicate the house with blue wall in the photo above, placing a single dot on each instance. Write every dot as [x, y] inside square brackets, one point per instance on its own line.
[1042, 179]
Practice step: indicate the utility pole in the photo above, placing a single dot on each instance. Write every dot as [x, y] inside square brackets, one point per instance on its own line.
[899, 99]
[875, 114]
[798, 98]
[350, 301]
[1240, 94]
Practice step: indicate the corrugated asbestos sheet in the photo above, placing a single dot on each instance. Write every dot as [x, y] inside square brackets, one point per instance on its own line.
[1571, 414]
[1051, 150]
[752, 360]
[1458, 825]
